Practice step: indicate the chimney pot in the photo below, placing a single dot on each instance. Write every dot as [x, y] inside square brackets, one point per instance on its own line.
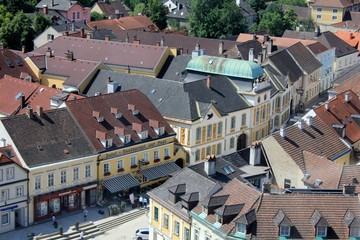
[251, 54]
[197, 46]
[221, 47]
[209, 165]
[45, 9]
[23, 49]
[266, 188]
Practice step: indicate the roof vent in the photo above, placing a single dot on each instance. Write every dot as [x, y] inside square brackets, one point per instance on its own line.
[301, 125]
[307, 176]
[39, 147]
[317, 182]
[309, 121]
[327, 106]
[282, 132]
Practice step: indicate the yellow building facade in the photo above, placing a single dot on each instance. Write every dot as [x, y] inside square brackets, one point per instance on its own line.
[327, 15]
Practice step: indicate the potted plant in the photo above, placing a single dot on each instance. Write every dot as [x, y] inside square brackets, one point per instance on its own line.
[77, 226]
[61, 230]
[122, 206]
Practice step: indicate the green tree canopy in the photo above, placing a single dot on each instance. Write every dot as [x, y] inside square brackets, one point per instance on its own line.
[40, 23]
[300, 3]
[14, 6]
[215, 19]
[139, 9]
[95, 16]
[257, 5]
[156, 11]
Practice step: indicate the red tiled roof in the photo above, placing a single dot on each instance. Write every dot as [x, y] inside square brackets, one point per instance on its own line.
[114, 53]
[318, 139]
[299, 209]
[126, 23]
[35, 94]
[351, 83]
[4, 157]
[277, 41]
[317, 48]
[340, 111]
[83, 109]
[351, 38]
[350, 175]
[318, 167]
[110, 8]
[335, 3]
[18, 65]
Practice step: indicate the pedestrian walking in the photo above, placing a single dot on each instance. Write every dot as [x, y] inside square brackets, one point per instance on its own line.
[145, 202]
[85, 212]
[54, 222]
[82, 235]
[141, 201]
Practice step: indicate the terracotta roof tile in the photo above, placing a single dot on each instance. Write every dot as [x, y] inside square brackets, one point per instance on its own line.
[351, 83]
[351, 38]
[299, 209]
[350, 175]
[9, 153]
[114, 53]
[83, 109]
[340, 112]
[318, 139]
[335, 3]
[111, 8]
[126, 23]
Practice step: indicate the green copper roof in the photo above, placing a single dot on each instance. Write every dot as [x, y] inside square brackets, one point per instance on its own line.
[226, 66]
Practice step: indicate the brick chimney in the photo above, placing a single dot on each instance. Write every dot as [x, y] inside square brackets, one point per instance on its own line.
[107, 38]
[119, 131]
[69, 55]
[116, 112]
[82, 32]
[23, 49]
[133, 109]
[49, 52]
[29, 112]
[154, 123]
[208, 81]
[39, 111]
[45, 9]
[137, 127]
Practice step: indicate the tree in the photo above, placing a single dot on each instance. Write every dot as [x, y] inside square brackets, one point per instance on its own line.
[156, 11]
[300, 3]
[15, 6]
[40, 23]
[291, 19]
[139, 9]
[257, 5]
[308, 25]
[215, 19]
[18, 32]
[95, 16]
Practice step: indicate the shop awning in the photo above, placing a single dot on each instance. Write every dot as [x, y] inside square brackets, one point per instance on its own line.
[119, 183]
[159, 171]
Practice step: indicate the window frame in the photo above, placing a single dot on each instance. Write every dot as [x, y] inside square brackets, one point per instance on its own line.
[37, 183]
[87, 171]
[243, 119]
[7, 213]
[76, 174]
[19, 189]
[10, 173]
[51, 179]
[319, 232]
[156, 213]
[198, 134]
[106, 167]
[156, 154]
[241, 228]
[167, 152]
[63, 176]
[233, 122]
[284, 231]
[232, 142]
[166, 221]
[220, 128]
[120, 164]
[4, 194]
[133, 160]
[177, 228]
[209, 131]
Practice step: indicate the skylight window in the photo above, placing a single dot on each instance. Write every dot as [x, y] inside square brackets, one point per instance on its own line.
[228, 170]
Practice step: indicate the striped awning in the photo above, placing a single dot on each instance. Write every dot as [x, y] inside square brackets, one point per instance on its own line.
[159, 171]
[118, 183]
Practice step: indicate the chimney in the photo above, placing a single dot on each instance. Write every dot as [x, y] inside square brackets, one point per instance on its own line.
[259, 58]
[266, 38]
[22, 104]
[112, 87]
[82, 32]
[137, 127]
[282, 132]
[251, 54]
[154, 123]
[208, 81]
[327, 106]
[179, 6]
[309, 121]
[347, 97]
[221, 47]
[269, 46]
[255, 154]
[300, 124]
[39, 111]
[136, 41]
[29, 112]
[209, 165]
[70, 2]
[162, 41]
[45, 9]
[266, 188]
[181, 50]
[254, 37]
[133, 109]
[127, 69]
[158, 43]
[88, 36]
[69, 55]
[127, 38]
[107, 38]
[66, 33]
[4, 142]
[349, 189]
[119, 131]
[263, 51]
[197, 46]
[95, 27]
[23, 49]
[116, 112]
[49, 52]
[317, 32]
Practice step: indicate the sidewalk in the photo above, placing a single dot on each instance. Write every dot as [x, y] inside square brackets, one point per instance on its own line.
[66, 220]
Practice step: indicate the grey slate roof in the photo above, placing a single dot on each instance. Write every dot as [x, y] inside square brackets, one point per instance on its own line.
[62, 5]
[347, 73]
[185, 176]
[235, 159]
[68, 26]
[176, 67]
[244, 48]
[165, 94]
[278, 81]
[298, 34]
[100, 34]
[286, 65]
[330, 40]
[304, 58]
[55, 137]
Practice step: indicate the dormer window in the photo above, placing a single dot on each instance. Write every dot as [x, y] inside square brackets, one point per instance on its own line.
[144, 135]
[321, 231]
[241, 228]
[98, 116]
[284, 224]
[103, 138]
[160, 131]
[127, 138]
[204, 209]
[219, 218]
[284, 231]
[354, 231]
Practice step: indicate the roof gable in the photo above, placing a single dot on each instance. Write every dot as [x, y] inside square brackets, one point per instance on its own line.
[330, 40]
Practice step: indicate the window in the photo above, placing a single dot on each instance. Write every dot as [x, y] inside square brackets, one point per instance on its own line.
[218, 149]
[78, 15]
[241, 228]
[318, 16]
[50, 37]
[50, 179]
[76, 174]
[198, 134]
[156, 214]
[232, 143]
[19, 191]
[209, 131]
[4, 194]
[196, 235]
[354, 231]
[177, 228]
[335, 10]
[146, 157]
[5, 218]
[37, 182]
[166, 220]
[106, 168]
[197, 155]
[144, 134]
[186, 234]
[208, 150]
[334, 18]
[133, 160]
[243, 119]
[319, 9]
[10, 173]
[220, 126]
[63, 176]
[287, 183]
[285, 231]
[263, 114]
[156, 154]
[73, 15]
[1, 174]
[120, 164]
[233, 121]
[127, 139]
[321, 231]
[257, 116]
[166, 152]
[87, 171]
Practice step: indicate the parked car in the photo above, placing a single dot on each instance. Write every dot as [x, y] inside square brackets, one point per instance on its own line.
[142, 234]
